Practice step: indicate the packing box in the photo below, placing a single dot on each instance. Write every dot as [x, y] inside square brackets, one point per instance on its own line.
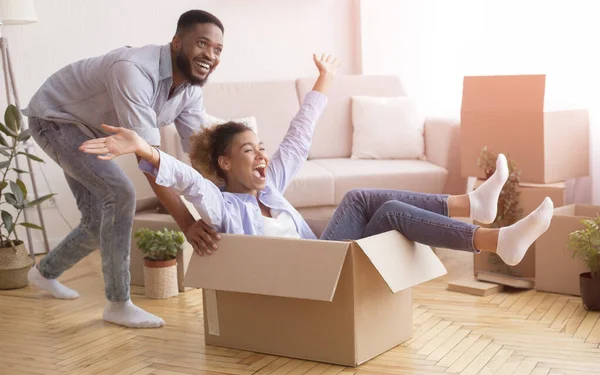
[509, 115]
[489, 267]
[335, 302]
[154, 220]
[556, 269]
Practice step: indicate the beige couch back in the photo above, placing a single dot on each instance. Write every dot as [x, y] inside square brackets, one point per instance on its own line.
[274, 104]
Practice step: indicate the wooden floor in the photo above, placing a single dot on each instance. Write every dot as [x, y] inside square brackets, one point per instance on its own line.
[509, 333]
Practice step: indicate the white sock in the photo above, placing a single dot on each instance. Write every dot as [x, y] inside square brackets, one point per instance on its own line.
[129, 315]
[484, 200]
[514, 240]
[50, 285]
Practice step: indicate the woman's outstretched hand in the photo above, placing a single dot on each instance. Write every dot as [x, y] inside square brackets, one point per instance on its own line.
[327, 64]
[124, 141]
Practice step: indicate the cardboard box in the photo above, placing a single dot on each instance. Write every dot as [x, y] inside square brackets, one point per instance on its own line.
[509, 115]
[155, 220]
[327, 301]
[489, 267]
[556, 270]
[532, 195]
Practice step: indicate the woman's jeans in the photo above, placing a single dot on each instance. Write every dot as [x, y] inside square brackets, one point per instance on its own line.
[419, 217]
[106, 199]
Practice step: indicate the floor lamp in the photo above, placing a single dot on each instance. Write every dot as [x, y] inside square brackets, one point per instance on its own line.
[19, 12]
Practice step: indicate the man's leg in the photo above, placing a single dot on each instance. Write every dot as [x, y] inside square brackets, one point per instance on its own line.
[115, 194]
[80, 242]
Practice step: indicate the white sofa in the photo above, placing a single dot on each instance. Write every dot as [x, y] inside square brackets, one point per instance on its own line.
[330, 171]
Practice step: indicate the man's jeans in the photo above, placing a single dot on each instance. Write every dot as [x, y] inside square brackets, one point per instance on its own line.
[106, 199]
[419, 217]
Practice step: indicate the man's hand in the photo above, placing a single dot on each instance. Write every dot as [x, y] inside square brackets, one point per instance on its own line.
[202, 238]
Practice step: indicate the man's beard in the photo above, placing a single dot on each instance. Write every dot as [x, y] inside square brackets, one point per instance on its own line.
[184, 65]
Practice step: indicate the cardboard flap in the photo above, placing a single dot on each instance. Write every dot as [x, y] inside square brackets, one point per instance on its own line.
[401, 263]
[307, 269]
[514, 93]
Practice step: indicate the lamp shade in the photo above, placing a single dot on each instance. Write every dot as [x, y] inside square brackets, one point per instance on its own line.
[17, 12]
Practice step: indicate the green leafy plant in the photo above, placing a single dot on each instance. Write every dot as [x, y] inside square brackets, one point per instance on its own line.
[14, 192]
[509, 210]
[585, 244]
[159, 245]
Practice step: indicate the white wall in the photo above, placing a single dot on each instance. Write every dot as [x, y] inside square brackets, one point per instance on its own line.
[432, 44]
[264, 40]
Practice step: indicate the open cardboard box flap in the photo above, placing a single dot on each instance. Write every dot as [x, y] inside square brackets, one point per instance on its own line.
[400, 262]
[307, 269]
[515, 93]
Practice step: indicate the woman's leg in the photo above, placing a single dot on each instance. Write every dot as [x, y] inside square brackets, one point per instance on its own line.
[360, 205]
[510, 243]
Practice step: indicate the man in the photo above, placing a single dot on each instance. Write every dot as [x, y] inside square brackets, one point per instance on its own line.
[139, 89]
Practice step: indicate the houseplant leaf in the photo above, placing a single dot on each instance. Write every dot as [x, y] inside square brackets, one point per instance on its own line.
[3, 141]
[18, 193]
[39, 200]
[4, 164]
[31, 225]
[7, 131]
[24, 135]
[3, 184]
[23, 188]
[19, 170]
[7, 219]
[32, 157]
[11, 199]
[12, 118]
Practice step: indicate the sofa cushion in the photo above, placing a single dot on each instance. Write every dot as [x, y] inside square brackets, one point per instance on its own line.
[311, 187]
[336, 121]
[387, 128]
[274, 104]
[412, 175]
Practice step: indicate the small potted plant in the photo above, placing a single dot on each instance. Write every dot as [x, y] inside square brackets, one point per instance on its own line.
[15, 260]
[160, 264]
[585, 244]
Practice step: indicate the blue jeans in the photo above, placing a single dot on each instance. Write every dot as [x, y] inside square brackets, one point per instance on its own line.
[106, 199]
[419, 217]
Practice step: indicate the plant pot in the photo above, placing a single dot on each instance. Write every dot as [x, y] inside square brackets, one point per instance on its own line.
[160, 278]
[15, 262]
[590, 291]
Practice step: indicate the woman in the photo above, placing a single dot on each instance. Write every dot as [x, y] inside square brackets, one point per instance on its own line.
[252, 200]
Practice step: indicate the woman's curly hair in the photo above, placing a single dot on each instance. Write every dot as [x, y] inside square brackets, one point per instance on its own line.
[207, 145]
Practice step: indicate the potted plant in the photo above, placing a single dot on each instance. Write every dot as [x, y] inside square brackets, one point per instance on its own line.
[14, 257]
[585, 243]
[160, 264]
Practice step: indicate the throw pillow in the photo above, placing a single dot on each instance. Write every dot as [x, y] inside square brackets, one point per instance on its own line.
[387, 128]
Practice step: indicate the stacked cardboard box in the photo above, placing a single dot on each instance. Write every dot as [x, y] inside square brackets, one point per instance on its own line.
[549, 144]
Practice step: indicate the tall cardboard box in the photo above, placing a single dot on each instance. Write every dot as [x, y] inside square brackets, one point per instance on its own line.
[556, 269]
[509, 115]
[335, 302]
[488, 267]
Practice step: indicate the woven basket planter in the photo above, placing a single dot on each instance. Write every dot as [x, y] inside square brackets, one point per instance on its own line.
[160, 278]
[14, 265]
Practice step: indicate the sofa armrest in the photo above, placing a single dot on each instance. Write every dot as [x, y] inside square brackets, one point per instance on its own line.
[442, 147]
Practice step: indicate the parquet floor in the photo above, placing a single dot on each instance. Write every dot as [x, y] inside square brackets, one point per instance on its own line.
[516, 332]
